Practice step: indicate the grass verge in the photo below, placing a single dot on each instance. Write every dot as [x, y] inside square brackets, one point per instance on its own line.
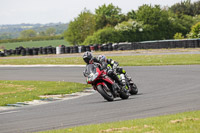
[19, 91]
[136, 60]
[187, 122]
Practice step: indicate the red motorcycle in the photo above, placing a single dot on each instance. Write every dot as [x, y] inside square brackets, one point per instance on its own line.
[103, 84]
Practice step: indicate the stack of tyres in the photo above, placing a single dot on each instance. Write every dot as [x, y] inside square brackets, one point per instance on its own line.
[44, 50]
[54, 50]
[71, 49]
[5, 52]
[40, 50]
[105, 47]
[75, 49]
[115, 46]
[110, 48]
[27, 51]
[49, 50]
[18, 51]
[67, 49]
[102, 47]
[62, 49]
[2, 54]
[35, 51]
[83, 48]
[87, 48]
[96, 47]
[23, 52]
[13, 51]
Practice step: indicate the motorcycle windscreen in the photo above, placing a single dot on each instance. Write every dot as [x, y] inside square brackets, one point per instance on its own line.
[90, 69]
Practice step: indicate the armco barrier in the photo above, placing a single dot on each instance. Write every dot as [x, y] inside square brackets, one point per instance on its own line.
[189, 43]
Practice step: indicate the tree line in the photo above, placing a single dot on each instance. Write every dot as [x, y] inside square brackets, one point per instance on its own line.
[149, 22]
[32, 35]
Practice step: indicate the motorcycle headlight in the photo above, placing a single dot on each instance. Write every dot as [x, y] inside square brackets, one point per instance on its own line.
[93, 76]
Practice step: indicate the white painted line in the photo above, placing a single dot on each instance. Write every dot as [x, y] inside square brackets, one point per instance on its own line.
[42, 65]
[8, 112]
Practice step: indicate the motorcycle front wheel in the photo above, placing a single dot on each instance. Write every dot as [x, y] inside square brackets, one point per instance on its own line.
[105, 92]
[133, 89]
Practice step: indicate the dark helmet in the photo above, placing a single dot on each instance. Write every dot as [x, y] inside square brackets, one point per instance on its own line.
[87, 56]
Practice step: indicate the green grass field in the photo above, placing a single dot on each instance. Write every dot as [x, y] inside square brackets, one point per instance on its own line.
[137, 60]
[31, 44]
[19, 91]
[187, 122]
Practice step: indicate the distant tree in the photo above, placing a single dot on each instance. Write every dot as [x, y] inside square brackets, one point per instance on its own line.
[80, 28]
[178, 36]
[105, 35]
[195, 31]
[130, 30]
[28, 33]
[5, 36]
[108, 16]
[42, 33]
[50, 32]
[131, 15]
[196, 8]
[156, 21]
[186, 7]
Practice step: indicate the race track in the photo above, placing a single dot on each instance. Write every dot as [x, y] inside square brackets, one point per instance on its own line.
[162, 90]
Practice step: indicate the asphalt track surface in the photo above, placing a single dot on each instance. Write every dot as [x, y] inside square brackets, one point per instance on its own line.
[162, 90]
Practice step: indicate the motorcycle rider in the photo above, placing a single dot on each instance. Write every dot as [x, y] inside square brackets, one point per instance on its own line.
[105, 64]
[113, 65]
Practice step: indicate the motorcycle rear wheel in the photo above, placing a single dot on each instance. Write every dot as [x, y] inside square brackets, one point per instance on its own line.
[105, 92]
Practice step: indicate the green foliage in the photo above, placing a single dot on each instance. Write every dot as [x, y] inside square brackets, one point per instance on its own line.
[130, 31]
[108, 16]
[178, 36]
[38, 38]
[131, 15]
[156, 21]
[30, 44]
[186, 7]
[195, 31]
[28, 33]
[50, 32]
[80, 28]
[5, 36]
[105, 35]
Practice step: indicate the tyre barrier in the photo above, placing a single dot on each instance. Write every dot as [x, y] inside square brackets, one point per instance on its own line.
[96, 47]
[2, 54]
[75, 49]
[67, 49]
[83, 48]
[87, 48]
[190, 43]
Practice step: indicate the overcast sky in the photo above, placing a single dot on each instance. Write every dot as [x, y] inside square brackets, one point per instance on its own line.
[46, 11]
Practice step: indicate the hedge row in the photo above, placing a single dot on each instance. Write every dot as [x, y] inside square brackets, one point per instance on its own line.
[193, 43]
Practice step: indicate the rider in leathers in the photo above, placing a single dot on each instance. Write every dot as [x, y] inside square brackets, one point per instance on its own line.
[108, 64]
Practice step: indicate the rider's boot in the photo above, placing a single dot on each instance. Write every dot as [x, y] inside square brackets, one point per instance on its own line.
[122, 84]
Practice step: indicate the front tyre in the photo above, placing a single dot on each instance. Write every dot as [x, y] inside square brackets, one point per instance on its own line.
[123, 94]
[105, 92]
[133, 89]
